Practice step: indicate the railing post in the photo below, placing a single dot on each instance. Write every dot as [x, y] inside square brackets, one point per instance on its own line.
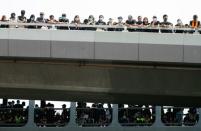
[72, 122]
[30, 122]
[158, 122]
[115, 113]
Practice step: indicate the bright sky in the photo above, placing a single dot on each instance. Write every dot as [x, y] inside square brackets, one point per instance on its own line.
[109, 8]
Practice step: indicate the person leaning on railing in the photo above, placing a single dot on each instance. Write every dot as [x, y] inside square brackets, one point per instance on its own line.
[130, 22]
[4, 19]
[120, 24]
[22, 19]
[31, 20]
[76, 22]
[63, 20]
[166, 24]
[194, 24]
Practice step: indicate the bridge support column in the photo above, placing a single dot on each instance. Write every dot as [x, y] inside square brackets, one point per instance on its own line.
[30, 122]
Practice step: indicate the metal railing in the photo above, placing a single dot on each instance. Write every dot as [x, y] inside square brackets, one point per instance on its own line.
[88, 117]
[137, 116]
[66, 26]
[176, 116]
[16, 117]
[51, 117]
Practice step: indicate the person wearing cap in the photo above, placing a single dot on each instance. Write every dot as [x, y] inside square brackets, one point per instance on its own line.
[195, 23]
[120, 25]
[130, 22]
[22, 18]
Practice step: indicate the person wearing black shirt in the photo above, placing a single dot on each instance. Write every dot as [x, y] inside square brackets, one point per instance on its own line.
[155, 23]
[31, 20]
[139, 23]
[90, 21]
[101, 22]
[22, 17]
[166, 24]
[63, 20]
[130, 22]
[41, 19]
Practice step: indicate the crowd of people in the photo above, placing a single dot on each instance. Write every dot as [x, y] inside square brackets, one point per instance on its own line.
[96, 115]
[49, 116]
[13, 114]
[176, 117]
[120, 23]
[136, 115]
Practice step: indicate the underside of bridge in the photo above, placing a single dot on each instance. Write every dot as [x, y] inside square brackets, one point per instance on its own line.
[101, 82]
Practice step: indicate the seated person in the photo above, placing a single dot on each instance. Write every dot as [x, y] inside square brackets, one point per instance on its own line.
[130, 22]
[166, 24]
[63, 20]
[119, 25]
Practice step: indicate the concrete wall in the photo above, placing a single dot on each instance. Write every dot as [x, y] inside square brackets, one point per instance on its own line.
[123, 46]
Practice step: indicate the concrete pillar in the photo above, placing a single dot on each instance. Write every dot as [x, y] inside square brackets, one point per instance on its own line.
[72, 122]
[115, 113]
[158, 122]
[30, 122]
